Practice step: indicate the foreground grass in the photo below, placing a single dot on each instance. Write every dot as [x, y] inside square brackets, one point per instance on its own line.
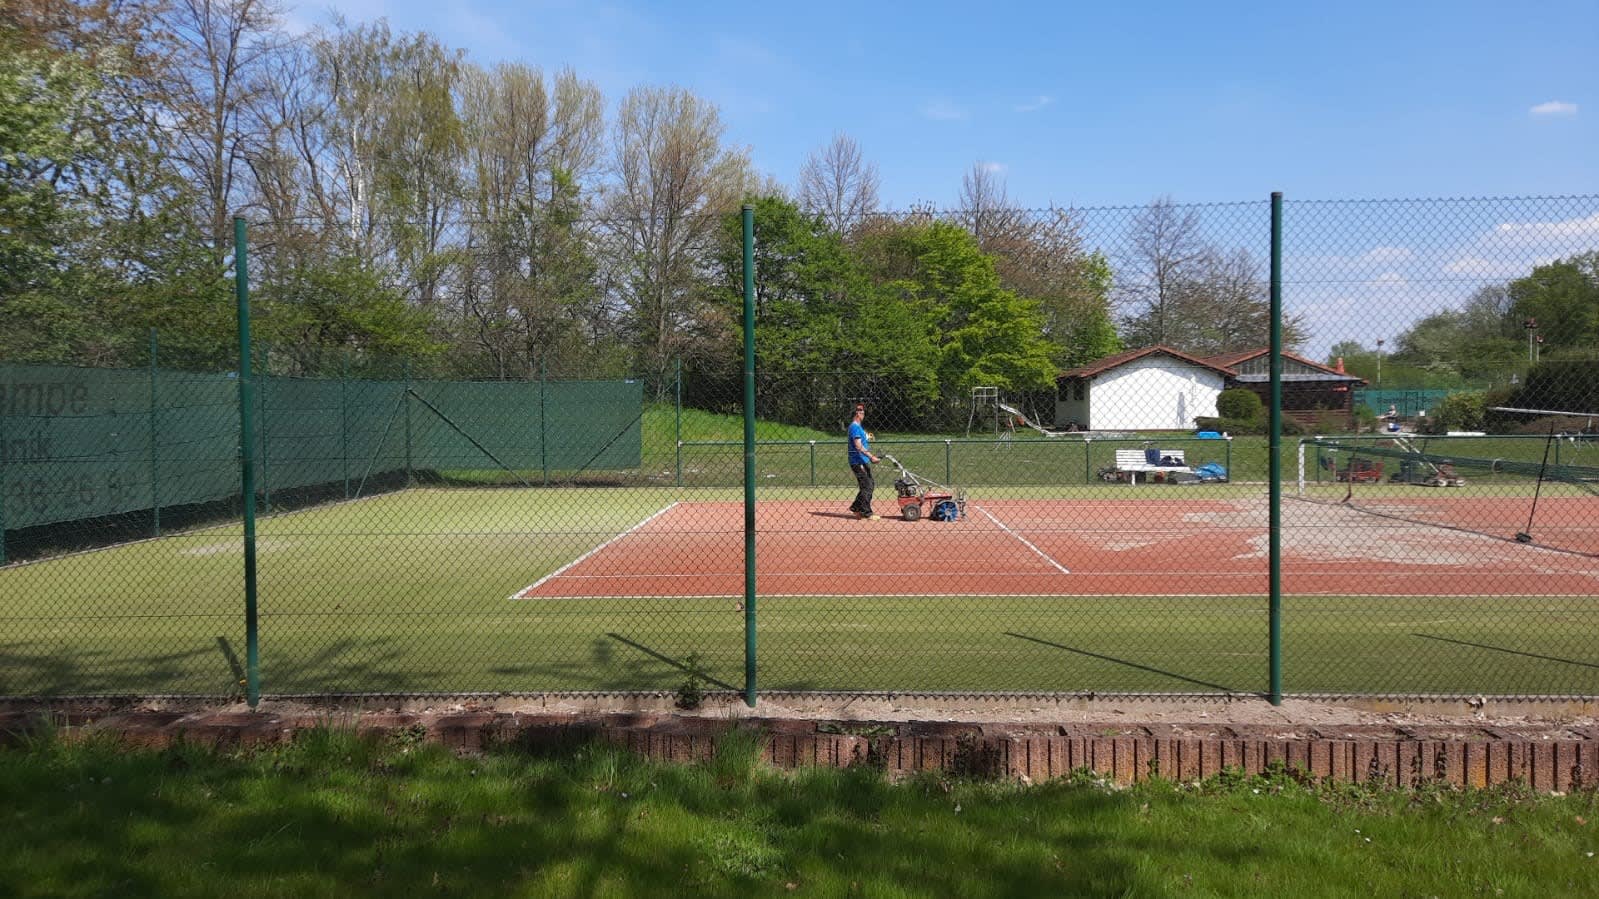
[335, 815]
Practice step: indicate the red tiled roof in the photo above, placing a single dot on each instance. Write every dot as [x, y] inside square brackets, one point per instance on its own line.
[1224, 363]
[1228, 360]
[1104, 364]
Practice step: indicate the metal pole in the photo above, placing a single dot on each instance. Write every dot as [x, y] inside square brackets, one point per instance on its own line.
[749, 455]
[679, 430]
[4, 456]
[405, 397]
[344, 417]
[155, 429]
[266, 458]
[544, 459]
[1274, 463]
[813, 463]
[949, 477]
[241, 280]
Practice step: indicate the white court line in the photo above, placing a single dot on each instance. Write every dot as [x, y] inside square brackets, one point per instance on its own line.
[522, 593]
[1044, 555]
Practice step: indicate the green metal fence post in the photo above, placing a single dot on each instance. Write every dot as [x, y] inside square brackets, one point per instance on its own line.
[1274, 463]
[1088, 459]
[813, 463]
[749, 455]
[3, 456]
[252, 650]
[679, 421]
[406, 399]
[266, 459]
[344, 417]
[1229, 457]
[949, 477]
[544, 458]
[155, 430]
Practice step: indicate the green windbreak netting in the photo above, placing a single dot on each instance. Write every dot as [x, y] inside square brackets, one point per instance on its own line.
[85, 443]
[79, 443]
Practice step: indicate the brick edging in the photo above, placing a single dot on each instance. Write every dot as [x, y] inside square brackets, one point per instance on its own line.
[1396, 756]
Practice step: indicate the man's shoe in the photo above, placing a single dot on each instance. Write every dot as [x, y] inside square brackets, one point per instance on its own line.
[874, 517]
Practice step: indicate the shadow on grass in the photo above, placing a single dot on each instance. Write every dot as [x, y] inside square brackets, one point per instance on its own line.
[1105, 658]
[1514, 652]
[675, 663]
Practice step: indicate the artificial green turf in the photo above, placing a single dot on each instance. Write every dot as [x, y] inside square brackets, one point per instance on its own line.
[335, 815]
[409, 592]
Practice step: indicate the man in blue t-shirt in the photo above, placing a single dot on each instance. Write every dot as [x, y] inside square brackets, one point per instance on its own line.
[860, 462]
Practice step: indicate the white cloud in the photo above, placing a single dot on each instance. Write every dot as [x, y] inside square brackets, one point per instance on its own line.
[1495, 269]
[1570, 232]
[1390, 280]
[1553, 108]
[1381, 255]
[943, 111]
[994, 168]
[1034, 105]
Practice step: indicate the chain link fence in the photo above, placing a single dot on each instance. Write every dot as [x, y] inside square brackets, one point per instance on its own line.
[492, 463]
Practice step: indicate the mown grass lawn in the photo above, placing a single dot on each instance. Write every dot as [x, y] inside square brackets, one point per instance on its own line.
[335, 815]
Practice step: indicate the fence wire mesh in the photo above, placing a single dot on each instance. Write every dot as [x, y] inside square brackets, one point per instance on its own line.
[492, 459]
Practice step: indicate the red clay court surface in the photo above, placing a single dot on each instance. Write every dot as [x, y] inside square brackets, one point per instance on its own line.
[1156, 547]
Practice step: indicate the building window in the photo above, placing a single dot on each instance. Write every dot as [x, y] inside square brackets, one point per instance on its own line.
[1079, 392]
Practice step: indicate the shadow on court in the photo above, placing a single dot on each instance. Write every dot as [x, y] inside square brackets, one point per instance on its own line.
[1104, 658]
[675, 663]
[1514, 652]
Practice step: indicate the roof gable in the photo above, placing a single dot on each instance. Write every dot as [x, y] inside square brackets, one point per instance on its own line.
[1235, 360]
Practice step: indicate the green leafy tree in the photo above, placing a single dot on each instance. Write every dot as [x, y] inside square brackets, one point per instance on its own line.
[825, 333]
[985, 335]
[1563, 298]
[341, 306]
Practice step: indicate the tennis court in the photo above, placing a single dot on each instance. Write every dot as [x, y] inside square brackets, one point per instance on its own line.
[1417, 545]
[1089, 589]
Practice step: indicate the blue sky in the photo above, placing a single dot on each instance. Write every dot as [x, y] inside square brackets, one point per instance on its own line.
[1115, 104]
[1098, 104]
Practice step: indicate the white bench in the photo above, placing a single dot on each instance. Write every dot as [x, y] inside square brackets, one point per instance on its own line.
[1133, 462]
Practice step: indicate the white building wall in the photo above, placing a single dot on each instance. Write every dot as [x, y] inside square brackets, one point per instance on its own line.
[1156, 392]
[1072, 409]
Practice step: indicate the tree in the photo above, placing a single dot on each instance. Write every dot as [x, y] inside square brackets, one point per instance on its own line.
[1563, 298]
[40, 96]
[1223, 306]
[987, 335]
[985, 208]
[674, 181]
[1040, 255]
[215, 85]
[837, 184]
[96, 229]
[339, 304]
[825, 334]
[530, 151]
[1478, 342]
[1165, 248]
[1181, 291]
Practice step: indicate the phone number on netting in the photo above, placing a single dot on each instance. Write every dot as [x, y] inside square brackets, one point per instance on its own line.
[51, 498]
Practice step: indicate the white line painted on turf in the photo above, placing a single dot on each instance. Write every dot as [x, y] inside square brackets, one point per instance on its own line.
[522, 593]
[1028, 543]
